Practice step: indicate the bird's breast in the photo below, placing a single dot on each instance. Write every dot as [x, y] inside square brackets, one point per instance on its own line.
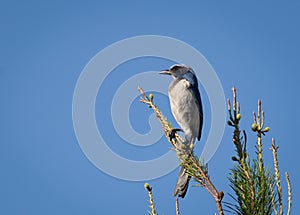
[184, 107]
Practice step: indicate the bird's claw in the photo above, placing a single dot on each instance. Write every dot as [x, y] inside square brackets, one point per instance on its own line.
[173, 132]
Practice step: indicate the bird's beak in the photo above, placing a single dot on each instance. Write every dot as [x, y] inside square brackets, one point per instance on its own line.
[165, 72]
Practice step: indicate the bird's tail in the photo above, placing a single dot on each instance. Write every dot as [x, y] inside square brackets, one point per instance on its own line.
[182, 183]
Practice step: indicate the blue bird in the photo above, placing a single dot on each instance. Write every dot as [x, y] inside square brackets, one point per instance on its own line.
[187, 110]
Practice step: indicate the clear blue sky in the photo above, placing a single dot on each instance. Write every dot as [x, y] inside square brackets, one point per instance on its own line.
[44, 46]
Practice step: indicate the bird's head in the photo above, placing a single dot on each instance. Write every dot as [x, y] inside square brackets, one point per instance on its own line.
[178, 70]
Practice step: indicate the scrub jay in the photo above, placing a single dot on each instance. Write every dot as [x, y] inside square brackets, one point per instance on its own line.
[187, 110]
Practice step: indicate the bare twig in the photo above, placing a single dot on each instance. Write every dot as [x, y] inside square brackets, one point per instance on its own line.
[260, 123]
[289, 193]
[177, 206]
[149, 189]
[277, 175]
[273, 200]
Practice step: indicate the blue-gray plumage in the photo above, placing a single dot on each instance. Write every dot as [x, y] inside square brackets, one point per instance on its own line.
[187, 110]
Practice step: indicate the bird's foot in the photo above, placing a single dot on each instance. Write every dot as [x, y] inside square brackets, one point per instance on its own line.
[173, 132]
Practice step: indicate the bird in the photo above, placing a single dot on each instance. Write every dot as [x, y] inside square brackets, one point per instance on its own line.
[186, 107]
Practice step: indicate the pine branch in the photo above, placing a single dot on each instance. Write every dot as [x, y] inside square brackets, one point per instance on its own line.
[242, 182]
[194, 167]
[251, 182]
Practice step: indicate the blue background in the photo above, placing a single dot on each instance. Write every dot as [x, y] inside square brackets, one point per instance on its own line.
[45, 45]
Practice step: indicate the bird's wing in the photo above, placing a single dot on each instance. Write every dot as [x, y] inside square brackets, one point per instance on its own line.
[193, 87]
[196, 92]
